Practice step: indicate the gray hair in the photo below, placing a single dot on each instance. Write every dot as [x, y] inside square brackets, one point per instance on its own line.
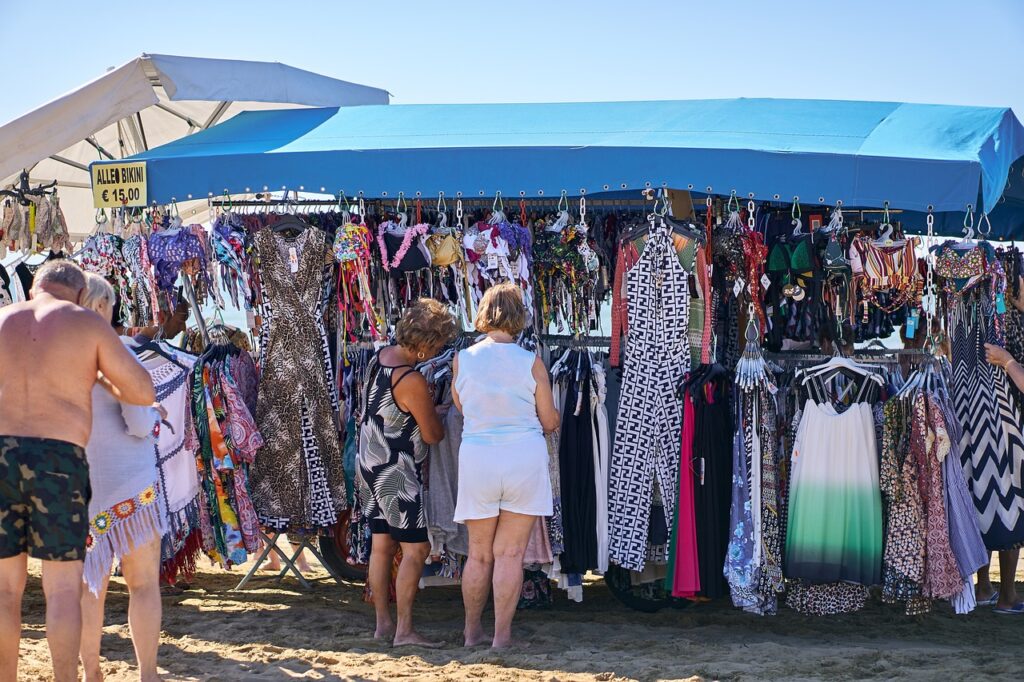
[97, 293]
[61, 272]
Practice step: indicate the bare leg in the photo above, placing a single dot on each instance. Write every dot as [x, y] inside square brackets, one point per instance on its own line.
[1007, 575]
[382, 554]
[273, 562]
[300, 562]
[142, 574]
[13, 572]
[476, 577]
[62, 585]
[92, 631]
[510, 538]
[406, 587]
[983, 589]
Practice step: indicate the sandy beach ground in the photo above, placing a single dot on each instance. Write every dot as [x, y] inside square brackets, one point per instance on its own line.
[271, 631]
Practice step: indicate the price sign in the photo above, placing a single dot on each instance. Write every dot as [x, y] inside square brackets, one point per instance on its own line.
[119, 184]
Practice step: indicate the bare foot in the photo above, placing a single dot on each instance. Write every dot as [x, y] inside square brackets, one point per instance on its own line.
[414, 638]
[302, 566]
[476, 638]
[384, 631]
[505, 644]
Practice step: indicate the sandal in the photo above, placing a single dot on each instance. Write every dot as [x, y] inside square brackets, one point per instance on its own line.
[991, 601]
[1016, 609]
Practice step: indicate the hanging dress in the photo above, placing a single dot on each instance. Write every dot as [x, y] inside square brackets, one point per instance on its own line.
[991, 444]
[297, 479]
[835, 505]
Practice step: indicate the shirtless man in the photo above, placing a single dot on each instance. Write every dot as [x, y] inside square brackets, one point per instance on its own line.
[50, 353]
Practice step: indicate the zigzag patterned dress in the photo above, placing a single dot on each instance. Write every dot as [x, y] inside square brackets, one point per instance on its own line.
[991, 445]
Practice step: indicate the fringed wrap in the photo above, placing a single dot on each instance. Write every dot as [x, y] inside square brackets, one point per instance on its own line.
[147, 523]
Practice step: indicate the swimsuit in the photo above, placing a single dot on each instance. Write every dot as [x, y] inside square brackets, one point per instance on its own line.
[44, 499]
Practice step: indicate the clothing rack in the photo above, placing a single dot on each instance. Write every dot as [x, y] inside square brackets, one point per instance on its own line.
[576, 341]
[868, 355]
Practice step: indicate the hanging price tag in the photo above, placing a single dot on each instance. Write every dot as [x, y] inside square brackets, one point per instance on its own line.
[293, 259]
[250, 319]
[492, 261]
[912, 325]
[765, 282]
[1000, 303]
[737, 288]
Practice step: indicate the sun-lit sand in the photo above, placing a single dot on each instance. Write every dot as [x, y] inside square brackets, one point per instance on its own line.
[280, 632]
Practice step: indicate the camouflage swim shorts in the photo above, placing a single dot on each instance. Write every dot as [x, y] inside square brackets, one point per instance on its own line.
[44, 499]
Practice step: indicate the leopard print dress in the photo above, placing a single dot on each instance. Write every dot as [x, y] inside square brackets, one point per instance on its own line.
[297, 480]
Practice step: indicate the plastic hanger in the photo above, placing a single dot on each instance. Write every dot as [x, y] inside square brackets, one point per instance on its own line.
[967, 242]
[886, 231]
[795, 213]
[498, 211]
[153, 346]
[563, 215]
[288, 222]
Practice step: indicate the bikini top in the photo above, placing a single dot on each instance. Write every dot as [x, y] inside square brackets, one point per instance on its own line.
[795, 257]
[885, 267]
[170, 251]
[964, 269]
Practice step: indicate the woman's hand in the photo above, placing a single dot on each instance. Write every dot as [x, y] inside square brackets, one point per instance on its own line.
[997, 356]
[161, 410]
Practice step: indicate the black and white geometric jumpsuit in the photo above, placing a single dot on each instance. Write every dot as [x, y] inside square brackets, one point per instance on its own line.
[649, 422]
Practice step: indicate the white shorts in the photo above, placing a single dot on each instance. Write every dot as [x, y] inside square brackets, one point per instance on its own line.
[511, 476]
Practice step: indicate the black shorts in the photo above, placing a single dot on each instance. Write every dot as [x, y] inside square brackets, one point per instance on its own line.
[44, 499]
[411, 535]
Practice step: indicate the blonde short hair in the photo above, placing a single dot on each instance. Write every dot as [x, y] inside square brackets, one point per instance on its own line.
[426, 325]
[502, 309]
[97, 293]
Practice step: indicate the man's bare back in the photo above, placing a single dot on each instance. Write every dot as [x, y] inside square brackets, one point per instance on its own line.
[50, 353]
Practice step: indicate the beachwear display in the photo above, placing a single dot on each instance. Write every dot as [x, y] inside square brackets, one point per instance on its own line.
[701, 470]
[228, 445]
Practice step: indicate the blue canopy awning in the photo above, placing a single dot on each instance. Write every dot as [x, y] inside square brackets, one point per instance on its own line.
[863, 153]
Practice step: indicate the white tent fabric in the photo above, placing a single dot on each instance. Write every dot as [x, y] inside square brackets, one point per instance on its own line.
[152, 100]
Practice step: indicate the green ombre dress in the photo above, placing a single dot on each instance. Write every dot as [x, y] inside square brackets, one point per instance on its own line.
[835, 504]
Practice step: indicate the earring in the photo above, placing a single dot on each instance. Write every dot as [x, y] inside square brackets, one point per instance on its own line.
[421, 355]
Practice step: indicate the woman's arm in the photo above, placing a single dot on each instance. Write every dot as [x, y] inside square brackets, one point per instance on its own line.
[413, 395]
[550, 420]
[1001, 358]
[455, 375]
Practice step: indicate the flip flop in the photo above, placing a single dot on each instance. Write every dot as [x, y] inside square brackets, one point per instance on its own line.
[991, 601]
[1016, 609]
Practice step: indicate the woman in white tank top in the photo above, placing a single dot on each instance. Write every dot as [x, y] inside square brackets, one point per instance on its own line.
[504, 393]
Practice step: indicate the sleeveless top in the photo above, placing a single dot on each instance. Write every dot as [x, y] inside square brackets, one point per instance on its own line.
[496, 388]
[387, 429]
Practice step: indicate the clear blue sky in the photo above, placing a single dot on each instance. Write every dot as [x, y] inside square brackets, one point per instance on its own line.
[945, 51]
